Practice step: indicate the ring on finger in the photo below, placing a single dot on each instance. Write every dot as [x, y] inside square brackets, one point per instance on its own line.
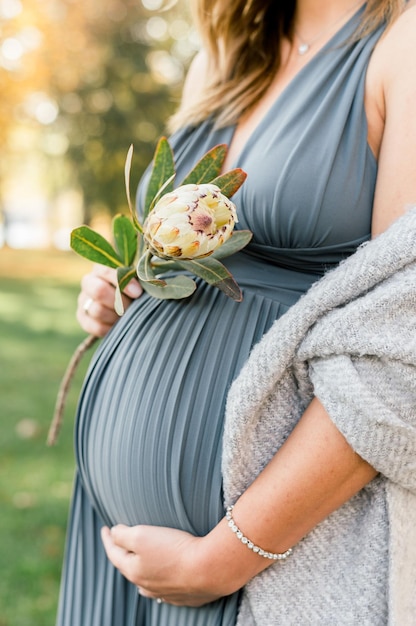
[87, 306]
[159, 600]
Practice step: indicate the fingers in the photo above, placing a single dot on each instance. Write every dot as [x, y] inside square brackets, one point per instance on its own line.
[122, 559]
[152, 596]
[97, 319]
[95, 312]
[125, 559]
[127, 537]
[109, 275]
[115, 553]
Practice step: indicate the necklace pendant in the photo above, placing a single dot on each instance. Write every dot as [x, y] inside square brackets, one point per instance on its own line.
[303, 49]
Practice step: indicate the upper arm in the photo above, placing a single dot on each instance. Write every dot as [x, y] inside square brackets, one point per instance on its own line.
[396, 180]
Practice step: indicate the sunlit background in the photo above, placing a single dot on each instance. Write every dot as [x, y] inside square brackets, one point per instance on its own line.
[80, 80]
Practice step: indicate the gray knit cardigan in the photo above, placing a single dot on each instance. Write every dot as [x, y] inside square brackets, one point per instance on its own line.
[350, 341]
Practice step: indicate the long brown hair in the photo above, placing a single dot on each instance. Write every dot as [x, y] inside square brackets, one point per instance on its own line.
[242, 39]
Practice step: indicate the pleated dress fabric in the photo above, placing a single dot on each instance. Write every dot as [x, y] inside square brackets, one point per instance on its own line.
[150, 418]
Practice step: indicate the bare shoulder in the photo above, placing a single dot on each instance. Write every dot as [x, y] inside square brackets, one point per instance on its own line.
[195, 78]
[395, 53]
[392, 73]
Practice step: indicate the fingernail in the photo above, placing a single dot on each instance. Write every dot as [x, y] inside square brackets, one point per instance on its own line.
[133, 289]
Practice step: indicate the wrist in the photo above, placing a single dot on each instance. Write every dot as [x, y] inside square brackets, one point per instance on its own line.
[250, 545]
[225, 565]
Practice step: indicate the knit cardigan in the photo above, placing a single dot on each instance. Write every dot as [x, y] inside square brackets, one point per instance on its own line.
[350, 341]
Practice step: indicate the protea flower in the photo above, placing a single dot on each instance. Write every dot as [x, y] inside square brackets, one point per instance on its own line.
[187, 224]
[190, 222]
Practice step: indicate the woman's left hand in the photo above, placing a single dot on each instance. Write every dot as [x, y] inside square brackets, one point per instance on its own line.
[162, 562]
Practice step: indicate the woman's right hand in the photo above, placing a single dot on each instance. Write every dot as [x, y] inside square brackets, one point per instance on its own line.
[95, 311]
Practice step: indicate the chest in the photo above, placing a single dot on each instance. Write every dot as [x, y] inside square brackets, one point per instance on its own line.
[292, 65]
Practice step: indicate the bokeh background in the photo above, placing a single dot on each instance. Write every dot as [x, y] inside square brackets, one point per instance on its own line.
[80, 80]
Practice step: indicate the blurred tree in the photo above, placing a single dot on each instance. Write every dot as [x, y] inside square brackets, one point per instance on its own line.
[118, 101]
[90, 78]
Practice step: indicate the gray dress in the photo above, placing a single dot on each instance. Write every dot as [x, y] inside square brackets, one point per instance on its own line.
[150, 418]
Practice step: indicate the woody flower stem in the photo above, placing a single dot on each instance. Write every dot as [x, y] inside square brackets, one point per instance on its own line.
[56, 423]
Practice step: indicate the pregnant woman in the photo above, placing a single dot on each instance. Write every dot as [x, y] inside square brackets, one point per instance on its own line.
[315, 99]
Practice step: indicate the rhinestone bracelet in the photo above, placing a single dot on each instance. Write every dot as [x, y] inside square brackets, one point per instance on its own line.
[250, 545]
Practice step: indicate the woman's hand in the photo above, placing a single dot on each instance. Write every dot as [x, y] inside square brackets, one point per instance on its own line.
[95, 312]
[163, 563]
[312, 475]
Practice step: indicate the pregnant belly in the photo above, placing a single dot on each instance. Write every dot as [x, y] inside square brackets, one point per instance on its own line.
[150, 418]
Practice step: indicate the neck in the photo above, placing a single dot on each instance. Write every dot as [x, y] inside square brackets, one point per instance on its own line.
[316, 21]
[312, 15]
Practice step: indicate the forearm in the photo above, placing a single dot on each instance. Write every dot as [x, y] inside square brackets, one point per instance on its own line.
[313, 474]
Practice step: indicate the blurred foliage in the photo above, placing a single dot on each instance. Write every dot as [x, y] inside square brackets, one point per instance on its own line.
[81, 81]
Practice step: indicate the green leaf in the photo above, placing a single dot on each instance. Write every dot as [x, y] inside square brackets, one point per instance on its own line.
[141, 245]
[127, 168]
[124, 276]
[163, 265]
[145, 271]
[118, 302]
[208, 167]
[175, 288]
[211, 270]
[91, 245]
[161, 191]
[163, 170]
[230, 288]
[125, 237]
[230, 182]
[214, 273]
[238, 240]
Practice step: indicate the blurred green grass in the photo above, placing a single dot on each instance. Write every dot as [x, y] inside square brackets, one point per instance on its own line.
[38, 333]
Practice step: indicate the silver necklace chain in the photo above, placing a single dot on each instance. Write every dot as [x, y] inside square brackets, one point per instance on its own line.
[305, 46]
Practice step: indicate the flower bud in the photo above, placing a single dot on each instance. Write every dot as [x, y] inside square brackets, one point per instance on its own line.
[191, 222]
